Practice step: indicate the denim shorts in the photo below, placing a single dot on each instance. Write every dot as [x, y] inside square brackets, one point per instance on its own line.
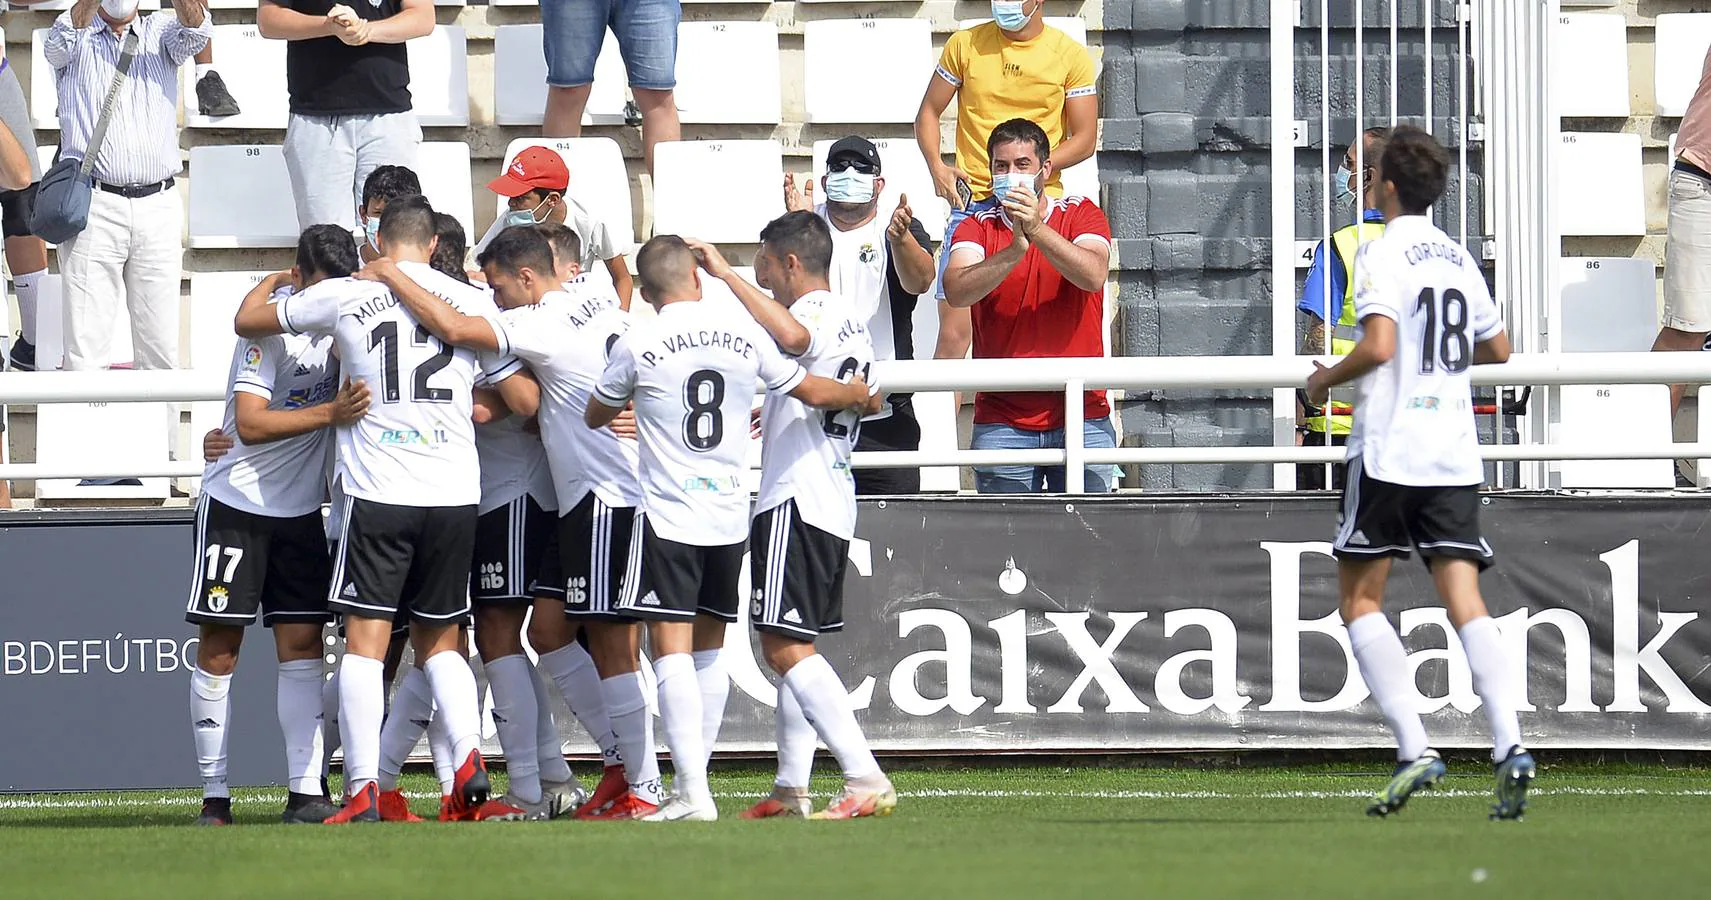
[956, 218]
[573, 31]
[1097, 433]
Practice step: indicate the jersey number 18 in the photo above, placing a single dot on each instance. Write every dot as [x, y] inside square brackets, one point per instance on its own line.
[1444, 340]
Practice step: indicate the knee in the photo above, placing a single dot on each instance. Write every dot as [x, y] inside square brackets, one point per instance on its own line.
[546, 633]
[217, 649]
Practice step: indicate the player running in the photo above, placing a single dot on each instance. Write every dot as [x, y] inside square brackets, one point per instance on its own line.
[1425, 315]
[259, 545]
[799, 543]
[693, 371]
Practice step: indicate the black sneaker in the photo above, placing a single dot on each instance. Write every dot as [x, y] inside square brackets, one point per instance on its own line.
[213, 99]
[23, 355]
[215, 811]
[307, 809]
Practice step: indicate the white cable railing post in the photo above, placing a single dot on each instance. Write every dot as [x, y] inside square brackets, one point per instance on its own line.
[1074, 436]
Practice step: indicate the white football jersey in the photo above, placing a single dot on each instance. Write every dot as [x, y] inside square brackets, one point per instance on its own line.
[284, 478]
[805, 452]
[565, 339]
[416, 445]
[693, 371]
[1414, 420]
[513, 462]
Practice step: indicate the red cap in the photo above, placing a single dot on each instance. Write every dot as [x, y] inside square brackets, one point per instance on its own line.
[536, 168]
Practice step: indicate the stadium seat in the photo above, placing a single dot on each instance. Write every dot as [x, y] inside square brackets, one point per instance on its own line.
[50, 328]
[444, 170]
[1074, 26]
[1609, 304]
[1082, 179]
[598, 179]
[905, 173]
[833, 48]
[123, 435]
[254, 71]
[520, 79]
[715, 291]
[214, 299]
[1587, 413]
[240, 196]
[727, 72]
[1608, 194]
[1590, 65]
[1679, 59]
[745, 192]
[439, 76]
[937, 413]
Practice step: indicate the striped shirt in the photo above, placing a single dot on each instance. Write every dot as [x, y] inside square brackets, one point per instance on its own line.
[141, 146]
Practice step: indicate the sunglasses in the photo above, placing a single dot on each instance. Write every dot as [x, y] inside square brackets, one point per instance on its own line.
[862, 166]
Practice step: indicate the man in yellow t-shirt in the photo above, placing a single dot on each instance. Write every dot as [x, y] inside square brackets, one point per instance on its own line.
[1015, 67]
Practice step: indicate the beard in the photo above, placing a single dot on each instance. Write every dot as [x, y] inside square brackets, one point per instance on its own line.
[851, 212]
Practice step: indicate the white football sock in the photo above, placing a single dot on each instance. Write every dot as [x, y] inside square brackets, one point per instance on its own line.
[300, 721]
[680, 719]
[210, 712]
[514, 715]
[795, 742]
[572, 669]
[440, 748]
[27, 286]
[549, 749]
[715, 690]
[203, 69]
[1483, 643]
[457, 702]
[827, 707]
[362, 704]
[412, 709]
[329, 721]
[1384, 667]
[633, 726]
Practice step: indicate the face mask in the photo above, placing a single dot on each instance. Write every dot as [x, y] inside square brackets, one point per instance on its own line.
[119, 9]
[1001, 184]
[523, 216]
[849, 186]
[1345, 194]
[371, 227]
[1009, 15]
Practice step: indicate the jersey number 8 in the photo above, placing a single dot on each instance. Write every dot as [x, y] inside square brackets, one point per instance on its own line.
[1444, 340]
[704, 424]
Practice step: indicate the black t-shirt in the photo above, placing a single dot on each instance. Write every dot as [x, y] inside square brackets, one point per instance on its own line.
[327, 77]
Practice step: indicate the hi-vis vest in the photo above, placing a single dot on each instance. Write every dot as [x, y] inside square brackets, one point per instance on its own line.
[1346, 241]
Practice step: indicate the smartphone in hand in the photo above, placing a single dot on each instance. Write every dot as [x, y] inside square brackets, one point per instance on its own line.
[964, 194]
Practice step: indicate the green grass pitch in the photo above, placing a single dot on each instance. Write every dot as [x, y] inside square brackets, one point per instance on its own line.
[1064, 833]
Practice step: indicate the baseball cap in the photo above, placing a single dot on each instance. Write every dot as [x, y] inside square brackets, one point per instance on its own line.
[858, 149]
[534, 169]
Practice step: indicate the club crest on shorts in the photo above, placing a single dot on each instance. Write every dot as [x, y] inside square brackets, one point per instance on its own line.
[218, 596]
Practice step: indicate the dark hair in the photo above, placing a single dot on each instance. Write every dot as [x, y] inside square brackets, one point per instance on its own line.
[566, 243]
[326, 250]
[389, 183]
[452, 247]
[1023, 131]
[517, 248]
[1417, 166]
[408, 220]
[803, 235]
[664, 264]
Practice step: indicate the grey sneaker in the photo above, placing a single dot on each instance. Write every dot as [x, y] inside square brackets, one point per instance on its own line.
[212, 97]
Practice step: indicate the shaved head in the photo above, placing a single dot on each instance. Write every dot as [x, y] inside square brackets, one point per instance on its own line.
[666, 268]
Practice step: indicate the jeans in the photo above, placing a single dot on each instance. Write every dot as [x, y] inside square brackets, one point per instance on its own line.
[1040, 479]
[329, 157]
[956, 217]
[574, 30]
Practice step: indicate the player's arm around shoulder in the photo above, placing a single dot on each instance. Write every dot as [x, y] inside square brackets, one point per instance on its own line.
[440, 318]
[257, 424]
[616, 386]
[256, 317]
[828, 393]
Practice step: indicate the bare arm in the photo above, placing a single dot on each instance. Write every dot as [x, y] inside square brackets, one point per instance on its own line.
[969, 282]
[414, 20]
[933, 105]
[1377, 346]
[257, 318]
[282, 23]
[191, 13]
[913, 261]
[621, 280]
[1085, 267]
[431, 312]
[521, 393]
[1494, 350]
[598, 414]
[956, 332]
[1081, 115]
[828, 393]
[14, 162]
[487, 406]
[259, 425]
[792, 336]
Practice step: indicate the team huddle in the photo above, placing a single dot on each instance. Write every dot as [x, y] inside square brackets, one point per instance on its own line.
[530, 447]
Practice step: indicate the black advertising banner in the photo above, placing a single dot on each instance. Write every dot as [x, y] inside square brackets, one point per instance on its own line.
[985, 624]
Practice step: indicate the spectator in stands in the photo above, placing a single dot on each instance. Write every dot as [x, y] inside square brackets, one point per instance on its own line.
[1687, 248]
[451, 247]
[132, 248]
[574, 30]
[348, 75]
[537, 185]
[882, 264]
[1033, 271]
[382, 186]
[26, 255]
[17, 170]
[1329, 293]
[1015, 67]
[212, 97]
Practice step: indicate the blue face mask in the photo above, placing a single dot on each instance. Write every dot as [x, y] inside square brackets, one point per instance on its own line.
[849, 186]
[518, 217]
[1009, 15]
[371, 227]
[1003, 182]
[1345, 194]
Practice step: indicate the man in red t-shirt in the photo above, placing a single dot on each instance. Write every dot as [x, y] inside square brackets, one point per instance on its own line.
[1033, 270]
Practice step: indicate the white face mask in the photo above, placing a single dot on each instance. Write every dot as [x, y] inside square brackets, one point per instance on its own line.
[119, 9]
[849, 186]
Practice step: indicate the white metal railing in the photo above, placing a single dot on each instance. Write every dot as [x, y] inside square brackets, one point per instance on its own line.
[1070, 376]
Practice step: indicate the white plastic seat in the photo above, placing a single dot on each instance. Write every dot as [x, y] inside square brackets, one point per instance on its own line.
[598, 179]
[1609, 304]
[1682, 39]
[50, 328]
[835, 49]
[520, 79]
[1074, 26]
[240, 196]
[439, 76]
[444, 169]
[905, 174]
[118, 436]
[1600, 188]
[937, 413]
[718, 191]
[1642, 413]
[253, 68]
[1589, 74]
[1082, 179]
[214, 299]
[727, 72]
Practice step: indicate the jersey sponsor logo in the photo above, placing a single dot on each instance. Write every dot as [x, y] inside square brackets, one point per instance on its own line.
[719, 484]
[1423, 403]
[218, 597]
[252, 357]
[492, 576]
[298, 398]
[397, 436]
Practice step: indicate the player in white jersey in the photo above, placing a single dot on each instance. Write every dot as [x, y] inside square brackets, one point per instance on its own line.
[412, 484]
[693, 371]
[806, 513]
[1425, 316]
[564, 337]
[259, 546]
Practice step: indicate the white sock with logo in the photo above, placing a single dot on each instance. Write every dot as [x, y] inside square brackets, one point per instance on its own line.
[299, 702]
[549, 748]
[457, 702]
[715, 691]
[362, 704]
[514, 715]
[827, 707]
[633, 727]
[572, 669]
[210, 712]
[680, 718]
[1384, 667]
[202, 70]
[1483, 642]
[329, 721]
[440, 749]
[796, 741]
[28, 287]
[412, 710]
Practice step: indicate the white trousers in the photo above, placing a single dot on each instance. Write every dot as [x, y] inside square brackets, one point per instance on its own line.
[329, 158]
[131, 253]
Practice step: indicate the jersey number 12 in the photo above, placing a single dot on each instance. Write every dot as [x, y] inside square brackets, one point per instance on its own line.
[385, 336]
[1444, 340]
